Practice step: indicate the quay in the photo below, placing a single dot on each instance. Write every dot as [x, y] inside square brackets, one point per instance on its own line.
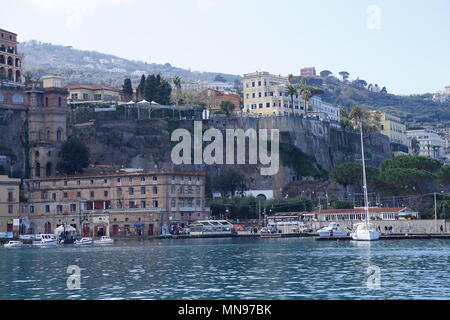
[393, 237]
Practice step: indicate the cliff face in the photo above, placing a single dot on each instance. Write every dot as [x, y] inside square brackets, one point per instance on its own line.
[147, 145]
[13, 150]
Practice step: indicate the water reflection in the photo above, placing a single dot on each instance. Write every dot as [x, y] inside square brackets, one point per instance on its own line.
[230, 269]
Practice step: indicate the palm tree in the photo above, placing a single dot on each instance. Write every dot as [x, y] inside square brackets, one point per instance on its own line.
[307, 92]
[291, 91]
[290, 77]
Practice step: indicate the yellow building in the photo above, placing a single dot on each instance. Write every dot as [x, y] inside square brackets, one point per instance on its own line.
[265, 95]
[81, 93]
[393, 128]
[9, 204]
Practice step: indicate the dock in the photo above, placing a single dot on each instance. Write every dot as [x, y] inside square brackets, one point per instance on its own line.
[393, 237]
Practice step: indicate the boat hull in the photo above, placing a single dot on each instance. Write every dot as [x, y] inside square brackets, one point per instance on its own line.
[366, 235]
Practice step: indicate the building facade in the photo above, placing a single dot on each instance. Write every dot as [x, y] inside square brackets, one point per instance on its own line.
[117, 204]
[9, 204]
[431, 144]
[10, 59]
[395, 130]
[358, 214]
[47, 125]
[308, 72]
[82, 93]
[266, 95]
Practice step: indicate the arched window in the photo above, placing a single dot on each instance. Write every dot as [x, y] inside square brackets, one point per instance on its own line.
[18, 76]
[48, 169]
[59, 134]
[36, 154]
[48, 228]
[2, 73]
[2, 59]
[37, 170]
[47, 135]
[10, 61]
[17, 62]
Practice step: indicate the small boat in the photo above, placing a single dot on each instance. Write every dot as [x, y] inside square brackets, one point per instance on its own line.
[84, 242]
[104, 240]
[365, 232]
[46, 240]
[13, 244]
[333, 230]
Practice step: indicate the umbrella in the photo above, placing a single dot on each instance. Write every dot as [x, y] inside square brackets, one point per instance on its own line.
[139, 224]
[61, 229]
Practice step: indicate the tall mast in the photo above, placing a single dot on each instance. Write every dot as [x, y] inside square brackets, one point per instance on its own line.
[366, 194]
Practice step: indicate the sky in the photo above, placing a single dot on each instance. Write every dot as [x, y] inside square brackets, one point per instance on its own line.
[402, 44]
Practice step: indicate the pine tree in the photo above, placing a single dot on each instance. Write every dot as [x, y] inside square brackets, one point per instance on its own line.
[141, 89]
[127, 89]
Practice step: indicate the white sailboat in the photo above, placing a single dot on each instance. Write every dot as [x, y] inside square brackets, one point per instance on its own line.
[365, 231]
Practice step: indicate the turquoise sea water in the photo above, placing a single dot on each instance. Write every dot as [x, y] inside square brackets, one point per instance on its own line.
[231, 269]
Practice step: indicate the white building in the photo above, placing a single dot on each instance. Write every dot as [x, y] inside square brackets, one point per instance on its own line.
[431, 143]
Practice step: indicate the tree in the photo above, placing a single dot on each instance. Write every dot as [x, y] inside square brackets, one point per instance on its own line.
[351, 174]
[177, 83]
[384, 90]
[140, 92]
[307, 92]
[229, 182]
[371, 121]
[227, 107]
[415, 146]
[292, 91]
[444, 176]
[290, 78]
[157, 89]
[74, 157]
[127, 90]
[412, 162]
[345, 75]
[326, 73]
[220, 78]
[361, 84]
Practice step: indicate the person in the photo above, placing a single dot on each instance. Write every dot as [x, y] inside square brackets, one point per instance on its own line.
[442, 229]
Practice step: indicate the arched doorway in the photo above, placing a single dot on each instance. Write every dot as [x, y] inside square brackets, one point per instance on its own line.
[48, 228]
[10, 75]
[2, 171]
[59, 135]
[18, 76]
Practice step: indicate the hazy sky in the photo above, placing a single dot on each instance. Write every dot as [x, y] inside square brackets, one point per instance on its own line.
[401, 44]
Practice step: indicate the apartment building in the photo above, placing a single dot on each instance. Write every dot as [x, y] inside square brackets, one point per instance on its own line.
[213, 99]
[121, 203]
[9, 204]
[82, 93]
[308, 72]
[265, 95]
[431, 144]
[10, 59]
[392, 127]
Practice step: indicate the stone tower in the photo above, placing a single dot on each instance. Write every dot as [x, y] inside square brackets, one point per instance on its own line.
[47, 125]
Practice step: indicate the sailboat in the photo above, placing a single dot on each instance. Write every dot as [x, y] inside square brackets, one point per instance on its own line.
[365, 231]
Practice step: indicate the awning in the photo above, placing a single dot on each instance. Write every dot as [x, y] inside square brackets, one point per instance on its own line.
[139, 224]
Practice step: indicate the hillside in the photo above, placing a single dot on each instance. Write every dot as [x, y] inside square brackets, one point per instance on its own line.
[415, 110]
[92, 67]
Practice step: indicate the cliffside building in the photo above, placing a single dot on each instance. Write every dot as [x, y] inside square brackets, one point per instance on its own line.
[10, 59]
[431, 144]
[82, 94]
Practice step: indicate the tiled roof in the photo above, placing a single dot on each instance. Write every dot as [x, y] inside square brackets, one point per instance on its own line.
[91, 87]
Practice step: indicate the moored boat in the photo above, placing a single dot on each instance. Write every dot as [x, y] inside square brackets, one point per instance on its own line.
[104, 241]
[13, 244]
[46, 240]
[333, 230]
[84, 242]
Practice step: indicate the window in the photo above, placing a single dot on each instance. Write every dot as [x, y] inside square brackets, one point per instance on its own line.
[54, 196]
[119, 192]
[59, 209]
[73, 208]
[132, 205]
[65, 195]
[105, 193]
[131, 191]
[10, 209]
[119, 204]
[78, 194]
[155, 179]
[174, 203]
[17, 98]
[143, 179]
[92, 194]
[155, 190]
[143, 190]
[31, 209]
[65, 183]
[143, 204]
[155, 204]
[2, 98]
[47, 209]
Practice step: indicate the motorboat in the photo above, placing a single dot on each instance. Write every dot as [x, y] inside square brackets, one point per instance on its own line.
[365, 232]
[104, 241]
[13, 244]
[46, 240]
[333, 230]
[84, 242]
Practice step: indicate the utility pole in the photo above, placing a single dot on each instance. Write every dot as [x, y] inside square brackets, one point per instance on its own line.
[435, 213]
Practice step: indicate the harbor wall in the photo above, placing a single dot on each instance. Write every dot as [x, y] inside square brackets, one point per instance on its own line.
[399, 226]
